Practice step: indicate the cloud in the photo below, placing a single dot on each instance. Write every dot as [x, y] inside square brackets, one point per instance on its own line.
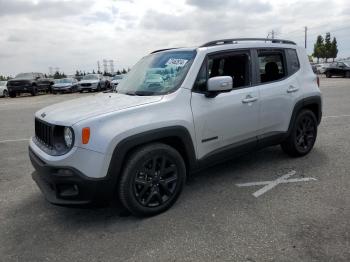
[75, 34]
[252, 6]
[43, 9]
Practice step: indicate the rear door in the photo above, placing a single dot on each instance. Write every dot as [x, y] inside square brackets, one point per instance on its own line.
[230, 119]
[279, 88]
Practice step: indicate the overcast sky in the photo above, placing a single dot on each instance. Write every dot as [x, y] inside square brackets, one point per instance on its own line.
[75, 34]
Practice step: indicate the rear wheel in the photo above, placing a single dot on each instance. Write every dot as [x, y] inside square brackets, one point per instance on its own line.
[152, 179]
[5, 93]
[328, 74]
[303, 135]
[347, 74]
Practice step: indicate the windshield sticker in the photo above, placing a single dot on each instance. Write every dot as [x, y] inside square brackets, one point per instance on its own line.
[176, 62]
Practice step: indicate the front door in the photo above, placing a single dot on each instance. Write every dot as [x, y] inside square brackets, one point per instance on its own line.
[231, 118]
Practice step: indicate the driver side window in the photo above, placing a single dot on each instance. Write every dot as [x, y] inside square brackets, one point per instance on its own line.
[235, 65]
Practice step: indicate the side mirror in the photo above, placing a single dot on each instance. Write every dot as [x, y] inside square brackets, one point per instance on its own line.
[219, 84]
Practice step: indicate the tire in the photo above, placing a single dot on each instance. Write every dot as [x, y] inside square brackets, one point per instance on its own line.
[303, 135]
[34, 91]
[98, 87]
[12, 94]
[144, 189]
[328, 74]
[347, 74]
[5, 93]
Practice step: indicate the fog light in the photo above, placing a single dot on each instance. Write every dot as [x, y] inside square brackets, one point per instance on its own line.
[65, 172]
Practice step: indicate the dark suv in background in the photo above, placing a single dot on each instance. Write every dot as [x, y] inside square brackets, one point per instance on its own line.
[338, 69]
[29, 83]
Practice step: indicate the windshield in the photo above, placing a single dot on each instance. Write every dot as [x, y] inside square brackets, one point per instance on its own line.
[64, 81]
[3, 83]
[90, 77]
[25, 76]
[157, 74]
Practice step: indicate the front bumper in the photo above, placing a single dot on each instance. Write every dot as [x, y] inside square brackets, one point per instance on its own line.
[68, 186]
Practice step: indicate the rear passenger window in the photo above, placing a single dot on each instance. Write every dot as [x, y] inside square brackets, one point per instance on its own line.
[271, 66]
[293, 61]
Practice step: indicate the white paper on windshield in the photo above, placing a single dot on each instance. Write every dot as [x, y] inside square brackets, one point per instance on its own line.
[176, 62]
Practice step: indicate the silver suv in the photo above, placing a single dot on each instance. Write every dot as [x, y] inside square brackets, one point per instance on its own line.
[177, 111]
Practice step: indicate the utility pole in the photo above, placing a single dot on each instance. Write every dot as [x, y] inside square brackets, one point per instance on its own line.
[273, 34]
[305, 37]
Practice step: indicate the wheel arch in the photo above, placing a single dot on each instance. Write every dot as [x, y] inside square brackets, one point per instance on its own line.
[313, 103]
[177, 137]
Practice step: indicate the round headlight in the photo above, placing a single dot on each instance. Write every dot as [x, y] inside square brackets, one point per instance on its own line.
[68, 136]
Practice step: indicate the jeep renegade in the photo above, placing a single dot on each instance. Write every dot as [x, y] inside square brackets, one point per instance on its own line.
[177, 111]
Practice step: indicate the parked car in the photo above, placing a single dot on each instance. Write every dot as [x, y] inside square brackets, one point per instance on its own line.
[29, 83]
[3, 89]
[93, 82]
[65, 85]
[338, 69]
[116, 80]
[321, 68]
[224, 98]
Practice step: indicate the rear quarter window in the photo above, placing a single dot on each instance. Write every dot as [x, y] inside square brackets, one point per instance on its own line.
[293, 61]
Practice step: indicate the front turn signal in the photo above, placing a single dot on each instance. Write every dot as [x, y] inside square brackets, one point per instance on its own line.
[85, 135]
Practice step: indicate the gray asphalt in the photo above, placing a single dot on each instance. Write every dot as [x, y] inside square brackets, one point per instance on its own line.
[213, 220]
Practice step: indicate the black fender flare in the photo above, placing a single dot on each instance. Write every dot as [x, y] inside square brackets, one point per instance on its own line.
[304, 103]
[123, 147]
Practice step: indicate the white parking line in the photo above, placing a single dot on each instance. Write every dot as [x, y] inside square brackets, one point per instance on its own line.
[14, 140]
[339, 116]
[268, 185]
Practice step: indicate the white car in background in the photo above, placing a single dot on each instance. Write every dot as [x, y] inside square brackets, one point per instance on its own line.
[321, 68]
[3, 88]
[93, 82]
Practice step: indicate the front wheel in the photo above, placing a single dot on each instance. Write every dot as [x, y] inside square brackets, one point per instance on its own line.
[303, 135]
[12, 94]
[347, 74]
[152, 179]
[328, 75]
[34, 91]
[5, 93]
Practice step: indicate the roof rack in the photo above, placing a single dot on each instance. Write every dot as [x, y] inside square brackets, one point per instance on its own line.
[235, 40]
[165, 49]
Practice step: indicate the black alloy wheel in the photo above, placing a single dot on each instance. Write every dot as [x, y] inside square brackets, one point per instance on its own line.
[155, 181]
[305, 134]
[152, 179]
[302, 136]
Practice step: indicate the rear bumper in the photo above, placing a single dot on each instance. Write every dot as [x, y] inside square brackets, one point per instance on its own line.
[68, 186]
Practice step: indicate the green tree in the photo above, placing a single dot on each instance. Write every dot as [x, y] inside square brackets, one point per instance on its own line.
[334, 49]
[319, 48]
[124, 71]
[118, 72]
[328, 46]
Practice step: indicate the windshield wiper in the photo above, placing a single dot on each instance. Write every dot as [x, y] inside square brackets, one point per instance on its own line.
[140, 93]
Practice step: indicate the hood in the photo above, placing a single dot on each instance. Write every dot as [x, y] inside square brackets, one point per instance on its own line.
[62, 84]
[70, 112]
[91, 81]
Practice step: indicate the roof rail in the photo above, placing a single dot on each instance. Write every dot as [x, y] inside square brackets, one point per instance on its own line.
[165, 49]
[235, 40]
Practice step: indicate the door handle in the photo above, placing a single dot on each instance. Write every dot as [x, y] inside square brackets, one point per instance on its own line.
[249, 99]
[292, 89]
